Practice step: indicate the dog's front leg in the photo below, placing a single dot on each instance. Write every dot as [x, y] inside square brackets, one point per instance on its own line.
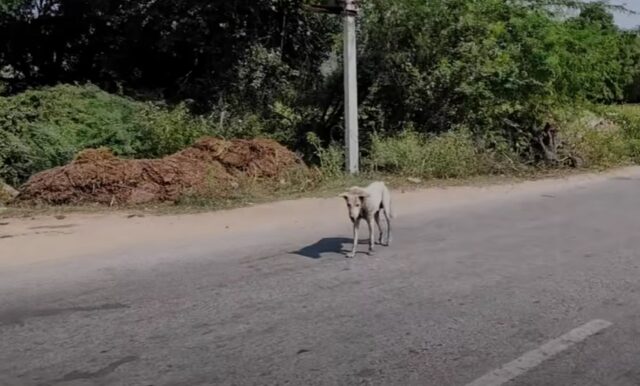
[356, 225]
[370, 225]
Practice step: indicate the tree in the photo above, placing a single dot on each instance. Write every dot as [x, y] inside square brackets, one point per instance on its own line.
[497, 68]
[597, 13]
[176, 50]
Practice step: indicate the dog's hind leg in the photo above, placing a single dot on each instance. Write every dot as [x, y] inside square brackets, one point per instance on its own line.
[386, 215]
[377, 218]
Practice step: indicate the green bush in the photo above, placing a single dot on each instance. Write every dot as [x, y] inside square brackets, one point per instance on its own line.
[497, 67]
[40, 129]
[331, 158]
[449, 155]
[602, 149]
[595, 138]
[628, 118]
[159, 132]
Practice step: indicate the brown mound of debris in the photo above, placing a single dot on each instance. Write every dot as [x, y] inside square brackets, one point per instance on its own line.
[97, 176]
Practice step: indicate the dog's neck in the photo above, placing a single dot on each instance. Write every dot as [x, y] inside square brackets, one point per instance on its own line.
[364, 213]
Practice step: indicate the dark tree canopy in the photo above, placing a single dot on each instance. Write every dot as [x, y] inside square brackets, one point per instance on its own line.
[495, 68]
[178, 49]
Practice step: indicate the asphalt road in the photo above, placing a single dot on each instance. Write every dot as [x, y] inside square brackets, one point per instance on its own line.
[460, 294]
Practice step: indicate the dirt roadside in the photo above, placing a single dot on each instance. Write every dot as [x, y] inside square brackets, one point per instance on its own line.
[32, 240]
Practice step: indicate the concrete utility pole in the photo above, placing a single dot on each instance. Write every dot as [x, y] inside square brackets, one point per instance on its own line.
[349, 11]
[351, 88]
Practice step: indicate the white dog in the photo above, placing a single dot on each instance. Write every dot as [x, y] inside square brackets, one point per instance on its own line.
[366, 203]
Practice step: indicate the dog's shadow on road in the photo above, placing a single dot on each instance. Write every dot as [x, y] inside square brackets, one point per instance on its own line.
[330, 245]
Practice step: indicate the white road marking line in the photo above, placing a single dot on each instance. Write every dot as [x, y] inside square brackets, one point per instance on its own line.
[535, 357]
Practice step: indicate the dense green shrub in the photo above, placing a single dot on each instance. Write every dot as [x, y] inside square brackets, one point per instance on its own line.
[627, 117]
[597, 141]
[448, 155]
[494, 66]
[331, 159]
[44, 128]
[498, 69]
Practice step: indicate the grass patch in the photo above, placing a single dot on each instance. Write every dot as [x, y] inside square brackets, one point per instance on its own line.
[600, 142]
[248, 190]
[251, 193]
[628, 118]
[450, 155]
[604, 137]
[41, 129]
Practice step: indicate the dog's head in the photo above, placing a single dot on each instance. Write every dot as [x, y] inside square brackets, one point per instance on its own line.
[355, 198]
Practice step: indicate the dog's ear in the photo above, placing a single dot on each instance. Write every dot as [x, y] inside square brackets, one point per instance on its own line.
[344, 195]
[362, 194]
[357, 191]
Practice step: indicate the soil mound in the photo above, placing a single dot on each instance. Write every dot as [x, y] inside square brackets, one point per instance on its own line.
[97, 176]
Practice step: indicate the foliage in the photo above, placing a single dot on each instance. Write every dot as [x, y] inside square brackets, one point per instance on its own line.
[599, 142]
[173, 49]
[441, 82]
[627, 117]
[44, 128]
[448, 155]
[491, 65]
[331, 159]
